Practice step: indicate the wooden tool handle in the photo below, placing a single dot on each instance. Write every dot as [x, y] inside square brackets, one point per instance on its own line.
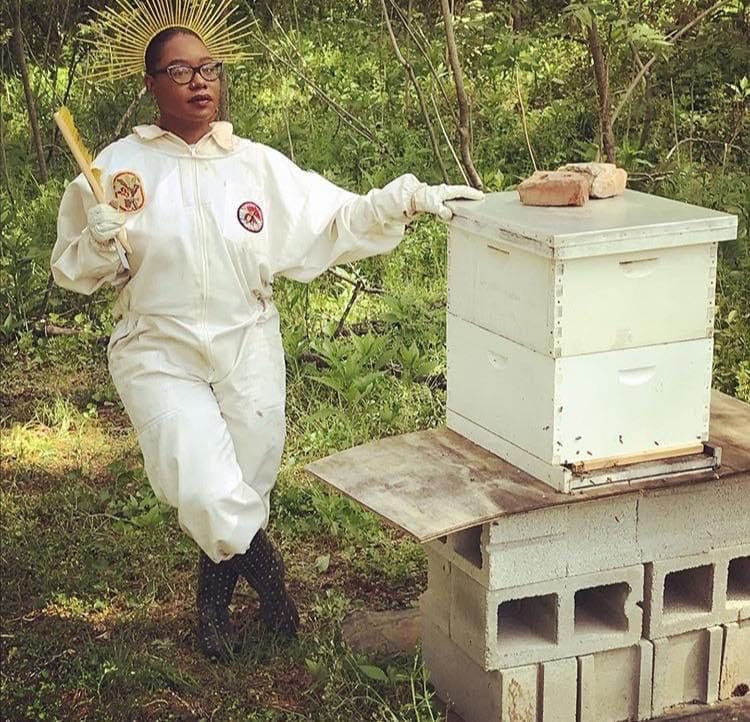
[85, 166]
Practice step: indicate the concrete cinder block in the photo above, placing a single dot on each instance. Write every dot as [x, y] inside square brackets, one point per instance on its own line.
[458, 680]
[735, 663]
[696, 592]
[558, 684]
[738, 585]
[546, 544]
[616, 685]
[530, 693]
[661, 519]
[602, 535]
[715, 648]
[545, 523]
[434, 603]
[546, 621]
[527, 548]
[519, 699]
[685, 668]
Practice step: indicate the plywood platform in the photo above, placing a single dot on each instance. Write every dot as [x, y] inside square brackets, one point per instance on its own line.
[431, 483]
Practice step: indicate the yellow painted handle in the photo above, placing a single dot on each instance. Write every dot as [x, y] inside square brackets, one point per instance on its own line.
[83, 163]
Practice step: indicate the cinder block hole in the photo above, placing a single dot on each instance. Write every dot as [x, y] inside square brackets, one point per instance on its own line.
[443, 539]
[740, 690]
[528, 621]
[599, 610]
[689, 590]
[738, 580]
[468, 543]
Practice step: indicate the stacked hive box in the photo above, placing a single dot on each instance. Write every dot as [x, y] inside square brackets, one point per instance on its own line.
[581, 334]
[606, 610]
[586, 335]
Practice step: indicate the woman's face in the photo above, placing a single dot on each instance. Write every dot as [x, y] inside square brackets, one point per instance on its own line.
[197, 102]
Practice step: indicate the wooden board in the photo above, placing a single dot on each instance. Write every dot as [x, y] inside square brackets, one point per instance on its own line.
[650, 455]
[730, 429]
[431, 483]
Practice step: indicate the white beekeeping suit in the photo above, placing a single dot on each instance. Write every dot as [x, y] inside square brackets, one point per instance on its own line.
[196, 355]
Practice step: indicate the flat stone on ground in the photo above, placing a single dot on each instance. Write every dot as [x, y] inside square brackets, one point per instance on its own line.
[390, 632]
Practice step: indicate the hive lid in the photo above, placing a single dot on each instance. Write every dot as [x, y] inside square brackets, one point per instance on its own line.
[631, 222]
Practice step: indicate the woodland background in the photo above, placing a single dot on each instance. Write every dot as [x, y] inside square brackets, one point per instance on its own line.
[97, 581]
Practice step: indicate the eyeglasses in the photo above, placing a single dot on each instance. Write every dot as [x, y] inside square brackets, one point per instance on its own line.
[183, 74]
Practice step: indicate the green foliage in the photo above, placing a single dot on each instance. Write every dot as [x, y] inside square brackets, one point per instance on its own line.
[352, 372]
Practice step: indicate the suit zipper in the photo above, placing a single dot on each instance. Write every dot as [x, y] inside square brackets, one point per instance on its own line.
[204, 262]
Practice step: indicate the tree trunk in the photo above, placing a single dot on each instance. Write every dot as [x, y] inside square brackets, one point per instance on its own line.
[601, 73]
[463, 101]
[20, 53]
[516, 14]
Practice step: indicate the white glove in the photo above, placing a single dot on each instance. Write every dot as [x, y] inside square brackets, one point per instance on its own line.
[104, 223]
[431, 199]
[401, 200]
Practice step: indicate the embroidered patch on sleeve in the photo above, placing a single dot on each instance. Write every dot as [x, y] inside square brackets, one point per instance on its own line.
[250, 217]
[128, 192]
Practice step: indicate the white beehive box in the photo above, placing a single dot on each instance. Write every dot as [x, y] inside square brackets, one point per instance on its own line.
[577, 334]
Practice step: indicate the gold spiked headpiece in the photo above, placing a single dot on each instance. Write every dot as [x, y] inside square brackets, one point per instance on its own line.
[122, 33]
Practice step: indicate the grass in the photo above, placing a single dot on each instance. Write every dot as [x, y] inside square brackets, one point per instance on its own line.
[98, 581]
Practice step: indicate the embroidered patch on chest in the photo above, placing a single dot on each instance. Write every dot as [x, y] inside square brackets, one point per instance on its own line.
[250, 217]
[128, 192]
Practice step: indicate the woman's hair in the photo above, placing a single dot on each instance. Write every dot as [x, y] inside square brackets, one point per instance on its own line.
[154, 48]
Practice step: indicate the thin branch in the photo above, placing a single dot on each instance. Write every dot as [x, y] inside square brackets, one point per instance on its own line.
[18, 45]
[601, 74]
[355, 281]
[463, 101]
[420, 97]
[289, 137]
[706, 141]
[47, 293]
[3, 155]
[448, 140]
[674, 119]
[423, 49]
[523, 122]
[128, 112]
[670, 38]
[355, 292]
[74, 59]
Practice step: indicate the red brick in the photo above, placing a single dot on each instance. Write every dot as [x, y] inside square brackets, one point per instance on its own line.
[554, 188]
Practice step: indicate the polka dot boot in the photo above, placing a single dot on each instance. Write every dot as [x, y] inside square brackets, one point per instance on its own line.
[216, 584]
[263, 568]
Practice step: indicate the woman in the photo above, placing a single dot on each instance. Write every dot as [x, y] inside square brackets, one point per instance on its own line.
[196, 355]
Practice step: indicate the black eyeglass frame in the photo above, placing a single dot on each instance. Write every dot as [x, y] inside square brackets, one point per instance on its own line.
[195, 68]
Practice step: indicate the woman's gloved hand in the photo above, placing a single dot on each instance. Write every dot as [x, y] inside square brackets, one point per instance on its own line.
[402, 199]
[431, 199]
[104, 223]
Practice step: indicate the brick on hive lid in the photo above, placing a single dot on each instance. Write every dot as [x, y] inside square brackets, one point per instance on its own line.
[554, 188]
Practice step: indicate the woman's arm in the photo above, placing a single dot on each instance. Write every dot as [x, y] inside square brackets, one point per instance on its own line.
[79, 262]
[325, 225]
